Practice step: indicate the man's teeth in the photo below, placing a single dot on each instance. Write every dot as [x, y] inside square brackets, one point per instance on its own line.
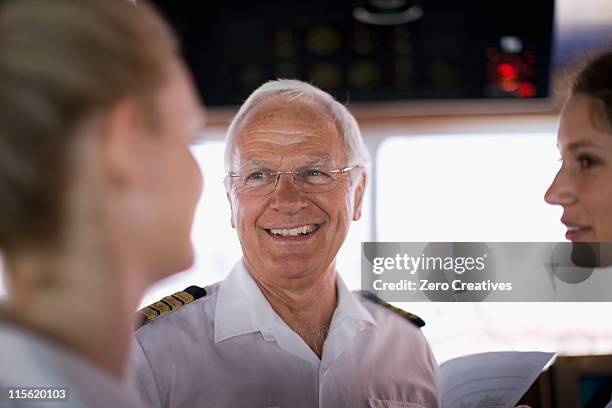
[292, 232]
[572, 228]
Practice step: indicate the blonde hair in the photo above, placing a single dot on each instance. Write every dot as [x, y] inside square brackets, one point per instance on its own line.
[62, 61]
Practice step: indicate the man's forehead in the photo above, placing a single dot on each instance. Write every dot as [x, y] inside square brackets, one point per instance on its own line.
[296, 129]
[263, 158]
[278, 112]
[278, 144]
[288, 124]
[289, 133]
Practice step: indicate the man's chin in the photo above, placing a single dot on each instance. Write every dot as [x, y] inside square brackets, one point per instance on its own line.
[293, 269]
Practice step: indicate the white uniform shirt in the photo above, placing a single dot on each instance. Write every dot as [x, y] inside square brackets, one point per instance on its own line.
[230, 349]
[28, 360]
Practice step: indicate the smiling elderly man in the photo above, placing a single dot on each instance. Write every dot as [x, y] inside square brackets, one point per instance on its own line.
[283, 330]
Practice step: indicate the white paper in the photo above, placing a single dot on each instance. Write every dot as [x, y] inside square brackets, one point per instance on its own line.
[490, 380]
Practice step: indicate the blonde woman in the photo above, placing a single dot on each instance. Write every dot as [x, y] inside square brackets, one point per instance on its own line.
[97, 189]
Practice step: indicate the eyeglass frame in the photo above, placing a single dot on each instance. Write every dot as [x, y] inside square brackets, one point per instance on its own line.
[277, 174]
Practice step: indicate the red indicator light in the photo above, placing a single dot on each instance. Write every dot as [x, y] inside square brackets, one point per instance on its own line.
[507, 71]
[526, 90]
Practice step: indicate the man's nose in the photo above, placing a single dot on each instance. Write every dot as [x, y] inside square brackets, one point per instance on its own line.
[561, 191]
[287, 196]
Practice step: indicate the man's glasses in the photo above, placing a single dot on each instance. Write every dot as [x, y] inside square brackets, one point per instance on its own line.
[309, 179]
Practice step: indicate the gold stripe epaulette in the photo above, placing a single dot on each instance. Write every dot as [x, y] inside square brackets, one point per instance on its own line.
[414, 319]
[168, 304]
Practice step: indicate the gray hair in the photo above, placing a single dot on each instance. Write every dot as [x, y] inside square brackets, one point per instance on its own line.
[355, 147]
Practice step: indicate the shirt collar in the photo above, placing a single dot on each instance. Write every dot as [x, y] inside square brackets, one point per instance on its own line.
[349, 307]
[241, 307]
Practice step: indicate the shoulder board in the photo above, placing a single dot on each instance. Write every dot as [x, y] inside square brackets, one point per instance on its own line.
[168, 304]
[414, 319]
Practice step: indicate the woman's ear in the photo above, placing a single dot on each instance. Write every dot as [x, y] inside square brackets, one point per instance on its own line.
[120, 140]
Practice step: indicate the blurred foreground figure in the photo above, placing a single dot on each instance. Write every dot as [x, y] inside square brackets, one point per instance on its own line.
[283, 329]
[98, 188]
